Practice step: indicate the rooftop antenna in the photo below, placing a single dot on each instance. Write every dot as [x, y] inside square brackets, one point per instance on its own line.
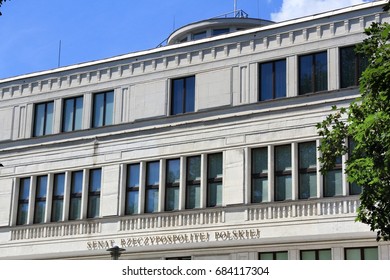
[235, 8]
[59, 54]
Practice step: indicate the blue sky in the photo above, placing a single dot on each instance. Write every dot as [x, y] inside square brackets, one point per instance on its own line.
[30, 30]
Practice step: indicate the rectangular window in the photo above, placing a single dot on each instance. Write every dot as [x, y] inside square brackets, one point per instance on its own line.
[307, 170]
[23, 201]
[40, 200]
[333, 180]
[214, 180]
[152, 186]
[43, 119]
[273, 80]
[354, 188]
[198, 36]
[367, 253]
[283, 180]
[313, 73]
[132, 188]
[183, 95]
[323, 254]
[103, 109]
[172, 184]
[76, 189]
[58, 197]
[95, 181]
[274, 256]
[220, 31]
[72, 114]
[259, 175]
[193, 182]
[351, 67]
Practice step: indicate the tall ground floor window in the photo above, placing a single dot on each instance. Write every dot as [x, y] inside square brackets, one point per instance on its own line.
[214, 180]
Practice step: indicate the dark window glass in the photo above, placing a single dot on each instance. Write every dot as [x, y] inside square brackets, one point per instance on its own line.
[24, 193]
[193, 182]
[313, 73]
[152, 186]
[220, 31]
[58, 197]
[95, 180]
[333, 180]
[133, 171]
[40, 200]
[214, 180]
[259, 175]
[367, 253]
[351, 67]
[103, 109]
[72, 114]
[354, 188]
[199, 35]
[172, 184]
[75, 195]
[183, 95]
[272, 80]
[274, 256]
[307, 170]
[43, 119]
[323, 254]
[283, 180]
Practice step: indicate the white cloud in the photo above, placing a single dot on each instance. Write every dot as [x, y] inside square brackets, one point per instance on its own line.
[298, 8]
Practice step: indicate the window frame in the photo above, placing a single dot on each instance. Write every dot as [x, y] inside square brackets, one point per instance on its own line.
[274, 255]
[304, 171]
[314, 76]
[131, 189]
[23, 202]
[171, 185]
[316, 253]
[56, 198]
[282, 173]
[93, 194]
[73, 120]
[186, 95]
[357, 69]
[193, 183]
[104, 113]
[273, 82]
[257, 176]
[151, 187]
[38, 199]
[362, 251]
[214, 180]
[45, 119]
[338, 167]
[75, 195]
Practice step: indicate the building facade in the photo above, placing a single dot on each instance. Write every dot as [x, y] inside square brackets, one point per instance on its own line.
[202, 149]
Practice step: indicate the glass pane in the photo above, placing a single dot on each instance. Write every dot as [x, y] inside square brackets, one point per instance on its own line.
[133, 175]
[93, 206]
[283, 158]
[49, 118]
[354, 189]
[95, 178]
[98, 110]
[39, 212]
[259, 190]
[190, 94]
[321, 71]
[220, 31]
[78, 115]
[39, 119]
[22, 213]
[68, 115]
[77, 182]
[353, 254]
[199, 36]
[41, 187]
[266, 256]
[24, 190]
[347, 67]
[177, 97]
[59, 184]
[215, 166]
[151, 200]
[172, 199]
[305, 74]
[132, 202]
[173, 171]
[325, 254]
[333, 183]
[307, 155]
[57, 207]
[370, 253]
[214, 195]
[282, 256]
[308, 255]
[307, 185]
[193, 168]
[75, 207]
[153, 173]
[109, 114]
[193, 196]
[260, 161]
[280, 79]
[266, 81]
[283, 188]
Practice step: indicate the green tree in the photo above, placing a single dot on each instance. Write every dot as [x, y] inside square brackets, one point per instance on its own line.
[367, 122]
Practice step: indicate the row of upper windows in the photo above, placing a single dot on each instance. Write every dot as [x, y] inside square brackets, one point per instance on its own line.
[187, 183]
[312, 77]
